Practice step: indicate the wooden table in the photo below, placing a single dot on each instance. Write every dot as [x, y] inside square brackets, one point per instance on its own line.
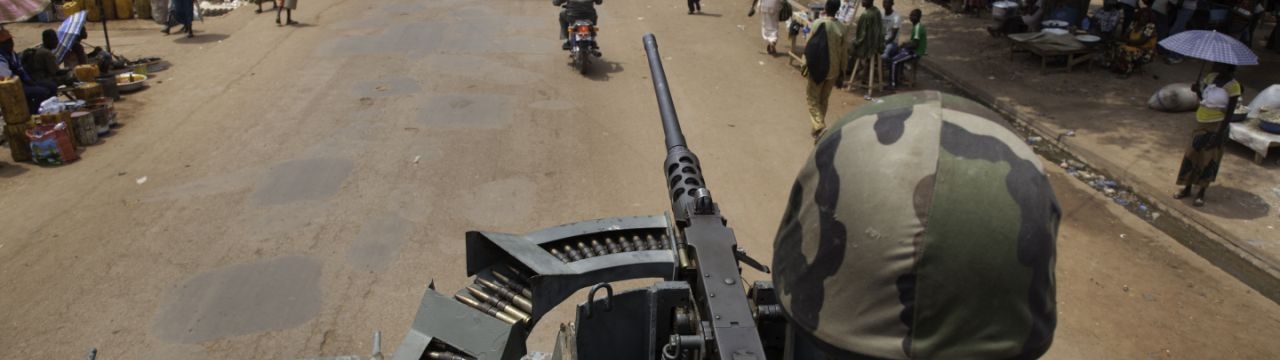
[1248, 134]
[1074, 57]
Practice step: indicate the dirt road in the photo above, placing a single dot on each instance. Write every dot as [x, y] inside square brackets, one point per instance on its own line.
[284, 192]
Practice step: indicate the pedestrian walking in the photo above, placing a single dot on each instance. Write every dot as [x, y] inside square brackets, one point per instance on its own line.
[769, 18]
[824, 57]
[181, 12]
[1219, 93]
[695, 5]
[287, 7]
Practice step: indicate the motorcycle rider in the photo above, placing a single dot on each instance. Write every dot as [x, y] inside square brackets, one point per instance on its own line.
[920, 228]
[575, 10]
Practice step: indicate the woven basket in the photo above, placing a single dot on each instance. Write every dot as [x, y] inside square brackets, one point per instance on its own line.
[19, 146]
[13, 102]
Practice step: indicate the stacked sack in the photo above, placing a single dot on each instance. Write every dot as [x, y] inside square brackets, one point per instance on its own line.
[1176, 97]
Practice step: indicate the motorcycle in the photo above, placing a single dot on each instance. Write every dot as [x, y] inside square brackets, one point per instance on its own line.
[582, 44]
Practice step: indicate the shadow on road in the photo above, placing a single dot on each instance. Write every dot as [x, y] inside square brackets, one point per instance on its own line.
[1233, 203]
[8, 170]
[706, 14]
[601, 69]
[201, 38]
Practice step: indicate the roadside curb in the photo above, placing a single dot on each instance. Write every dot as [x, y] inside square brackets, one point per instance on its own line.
[1261, 274]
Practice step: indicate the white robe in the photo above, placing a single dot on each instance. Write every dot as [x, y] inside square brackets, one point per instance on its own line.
[768, 10]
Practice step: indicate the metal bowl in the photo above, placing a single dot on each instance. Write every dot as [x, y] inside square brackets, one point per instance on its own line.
[1089, 40]
[129, 82]
[1055, 31]
[1271, 127]
[1054, 24]
[1001, 10]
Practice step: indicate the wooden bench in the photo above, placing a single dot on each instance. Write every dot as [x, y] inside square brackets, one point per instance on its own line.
[1074, 57]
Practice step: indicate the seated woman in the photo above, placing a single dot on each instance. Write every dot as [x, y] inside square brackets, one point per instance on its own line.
[1136, 50]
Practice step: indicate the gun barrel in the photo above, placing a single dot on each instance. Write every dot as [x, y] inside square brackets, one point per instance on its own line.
[685, 184]
[670, 123]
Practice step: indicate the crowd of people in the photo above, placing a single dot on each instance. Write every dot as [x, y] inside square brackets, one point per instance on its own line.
[1130, 30]
[843, 36]
[184, 12]
[847, 32]
[38, 69]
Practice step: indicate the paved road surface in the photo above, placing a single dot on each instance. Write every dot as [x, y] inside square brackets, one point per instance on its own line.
[302, 185]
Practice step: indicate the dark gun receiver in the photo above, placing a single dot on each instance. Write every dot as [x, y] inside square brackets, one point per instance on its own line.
[709, 245]
[700, 310]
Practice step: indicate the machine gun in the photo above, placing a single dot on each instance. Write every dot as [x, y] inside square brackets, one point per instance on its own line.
[700, 311]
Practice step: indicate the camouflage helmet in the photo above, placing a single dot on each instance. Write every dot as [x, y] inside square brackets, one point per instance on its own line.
[921, 227]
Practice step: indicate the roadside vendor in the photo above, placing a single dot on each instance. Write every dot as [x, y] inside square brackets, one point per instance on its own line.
[11, 66]
[42, 64]
[1133, 51]
[75, 54]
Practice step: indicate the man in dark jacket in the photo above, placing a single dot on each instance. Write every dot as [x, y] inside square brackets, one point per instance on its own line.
[575, 10]
[42, 64]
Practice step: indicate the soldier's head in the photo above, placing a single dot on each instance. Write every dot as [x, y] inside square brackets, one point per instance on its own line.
[920, 227]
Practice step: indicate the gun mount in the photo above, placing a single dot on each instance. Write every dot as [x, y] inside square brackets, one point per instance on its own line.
[700, 310]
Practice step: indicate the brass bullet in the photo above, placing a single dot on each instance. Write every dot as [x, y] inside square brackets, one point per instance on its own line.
[491, 311]
[498, 304]
[508, 295]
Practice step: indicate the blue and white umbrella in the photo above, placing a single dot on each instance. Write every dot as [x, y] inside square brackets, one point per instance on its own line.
[67, 34]
[1210, 46]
